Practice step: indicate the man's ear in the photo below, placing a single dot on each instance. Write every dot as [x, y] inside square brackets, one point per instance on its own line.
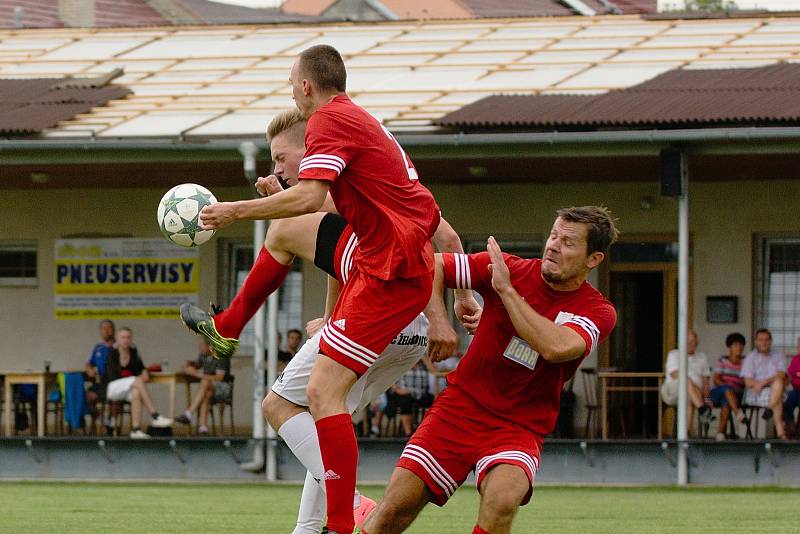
[594, 259]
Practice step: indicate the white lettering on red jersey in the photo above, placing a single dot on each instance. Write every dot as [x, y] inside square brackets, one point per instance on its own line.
[375, 187]
[501, 371]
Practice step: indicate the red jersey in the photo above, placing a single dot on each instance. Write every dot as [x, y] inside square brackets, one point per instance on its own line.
[500, 371]
[375, 188]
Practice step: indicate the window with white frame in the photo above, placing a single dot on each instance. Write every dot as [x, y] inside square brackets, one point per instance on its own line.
[18, 261]
[236, 261]
[777, 289]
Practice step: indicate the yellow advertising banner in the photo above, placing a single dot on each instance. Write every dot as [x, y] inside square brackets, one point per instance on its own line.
[123, 278]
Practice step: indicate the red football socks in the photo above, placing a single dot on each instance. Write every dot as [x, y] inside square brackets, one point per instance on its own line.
[265, 277]
[479, 530]
[337, 443]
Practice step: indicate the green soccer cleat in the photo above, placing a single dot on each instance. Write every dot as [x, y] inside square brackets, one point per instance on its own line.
[201, 323]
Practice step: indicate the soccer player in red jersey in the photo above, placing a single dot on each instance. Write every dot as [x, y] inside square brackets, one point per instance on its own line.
[376, 189]
[540, 319]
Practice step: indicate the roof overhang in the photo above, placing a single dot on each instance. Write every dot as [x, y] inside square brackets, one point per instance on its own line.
[441, 158]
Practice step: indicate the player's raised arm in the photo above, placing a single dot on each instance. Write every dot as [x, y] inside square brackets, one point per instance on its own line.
[306, 197]
[553, 342]
[466, 308]
[442, 339]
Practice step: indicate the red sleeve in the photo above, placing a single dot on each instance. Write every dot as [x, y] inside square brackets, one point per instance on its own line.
[593, 325]
[467, 271]
[328, 149]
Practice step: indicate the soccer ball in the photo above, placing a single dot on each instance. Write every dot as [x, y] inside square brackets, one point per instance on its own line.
[179, 212]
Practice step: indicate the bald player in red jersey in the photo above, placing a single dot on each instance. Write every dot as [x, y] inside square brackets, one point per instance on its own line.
[376, 189]
[540, 319]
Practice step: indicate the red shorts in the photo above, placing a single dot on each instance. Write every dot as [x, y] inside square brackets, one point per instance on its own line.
[343, 255]
[457, 437]
[369, 313]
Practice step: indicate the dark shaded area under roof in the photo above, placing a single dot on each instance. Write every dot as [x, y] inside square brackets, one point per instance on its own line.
[764, 96]
[29, 106]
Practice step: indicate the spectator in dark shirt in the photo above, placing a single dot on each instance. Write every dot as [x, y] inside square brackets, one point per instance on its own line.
[214, 375]
[95, 368]
[125, 378]
[412, 392]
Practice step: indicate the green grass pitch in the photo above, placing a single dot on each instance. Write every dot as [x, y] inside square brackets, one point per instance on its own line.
[217, 508]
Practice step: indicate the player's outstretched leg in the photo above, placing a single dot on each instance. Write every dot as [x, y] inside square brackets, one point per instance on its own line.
[405, 497]
[202, 323]
[286, 238]
[223, 330]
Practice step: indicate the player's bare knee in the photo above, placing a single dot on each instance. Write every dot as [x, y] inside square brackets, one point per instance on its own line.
[317, 395]
[502, 505]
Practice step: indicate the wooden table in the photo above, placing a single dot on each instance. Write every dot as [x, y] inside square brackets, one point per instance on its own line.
[614, 381]
[172, 379]
[39, 379]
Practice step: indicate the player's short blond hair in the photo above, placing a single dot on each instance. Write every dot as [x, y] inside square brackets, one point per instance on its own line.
[291, 122]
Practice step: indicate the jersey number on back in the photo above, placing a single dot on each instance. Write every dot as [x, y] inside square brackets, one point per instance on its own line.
[412, 172]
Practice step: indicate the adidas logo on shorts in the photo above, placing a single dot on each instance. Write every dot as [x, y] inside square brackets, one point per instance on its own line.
[330, 474]
[339, 324]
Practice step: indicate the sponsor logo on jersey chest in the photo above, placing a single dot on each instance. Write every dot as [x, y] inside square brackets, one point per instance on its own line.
[520, 352]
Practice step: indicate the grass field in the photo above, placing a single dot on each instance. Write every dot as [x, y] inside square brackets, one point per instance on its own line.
[221, 508]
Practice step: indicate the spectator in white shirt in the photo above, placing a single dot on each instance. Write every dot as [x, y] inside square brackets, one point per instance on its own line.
[699, 383]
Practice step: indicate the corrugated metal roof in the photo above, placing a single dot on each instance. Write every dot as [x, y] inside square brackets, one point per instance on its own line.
[635, 7]
[44, 13]
[32, 105]
[763, 96]
[227, 81]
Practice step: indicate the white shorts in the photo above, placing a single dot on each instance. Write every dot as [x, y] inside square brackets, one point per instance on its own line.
[121, 389]
[402, 353]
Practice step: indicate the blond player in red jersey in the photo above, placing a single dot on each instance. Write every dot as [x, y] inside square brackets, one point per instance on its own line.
[540, 319]
[375, 187]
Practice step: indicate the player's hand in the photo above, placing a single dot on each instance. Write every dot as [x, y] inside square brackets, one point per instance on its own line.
[268, 185]
[314, 325]
[442, 340]
[468, 311]
[217, 215]
[501, 279]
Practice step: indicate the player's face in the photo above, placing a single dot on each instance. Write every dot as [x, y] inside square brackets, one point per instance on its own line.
[300, 90]
[565, 257]
[691, 343]
[286, 155]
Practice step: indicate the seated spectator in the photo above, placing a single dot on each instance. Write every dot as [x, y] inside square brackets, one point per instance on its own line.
[125, 378]
[95, 368]
[214, 378]
[410, 393]
[294, 338]
[793, 397]
[763, 371]
[439, 371]
[699, 372]
[728, 382]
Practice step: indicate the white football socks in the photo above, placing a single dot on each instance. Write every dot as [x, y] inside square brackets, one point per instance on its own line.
[300, 435]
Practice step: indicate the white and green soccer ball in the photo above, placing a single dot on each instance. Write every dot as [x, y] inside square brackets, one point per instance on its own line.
[179, 213]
